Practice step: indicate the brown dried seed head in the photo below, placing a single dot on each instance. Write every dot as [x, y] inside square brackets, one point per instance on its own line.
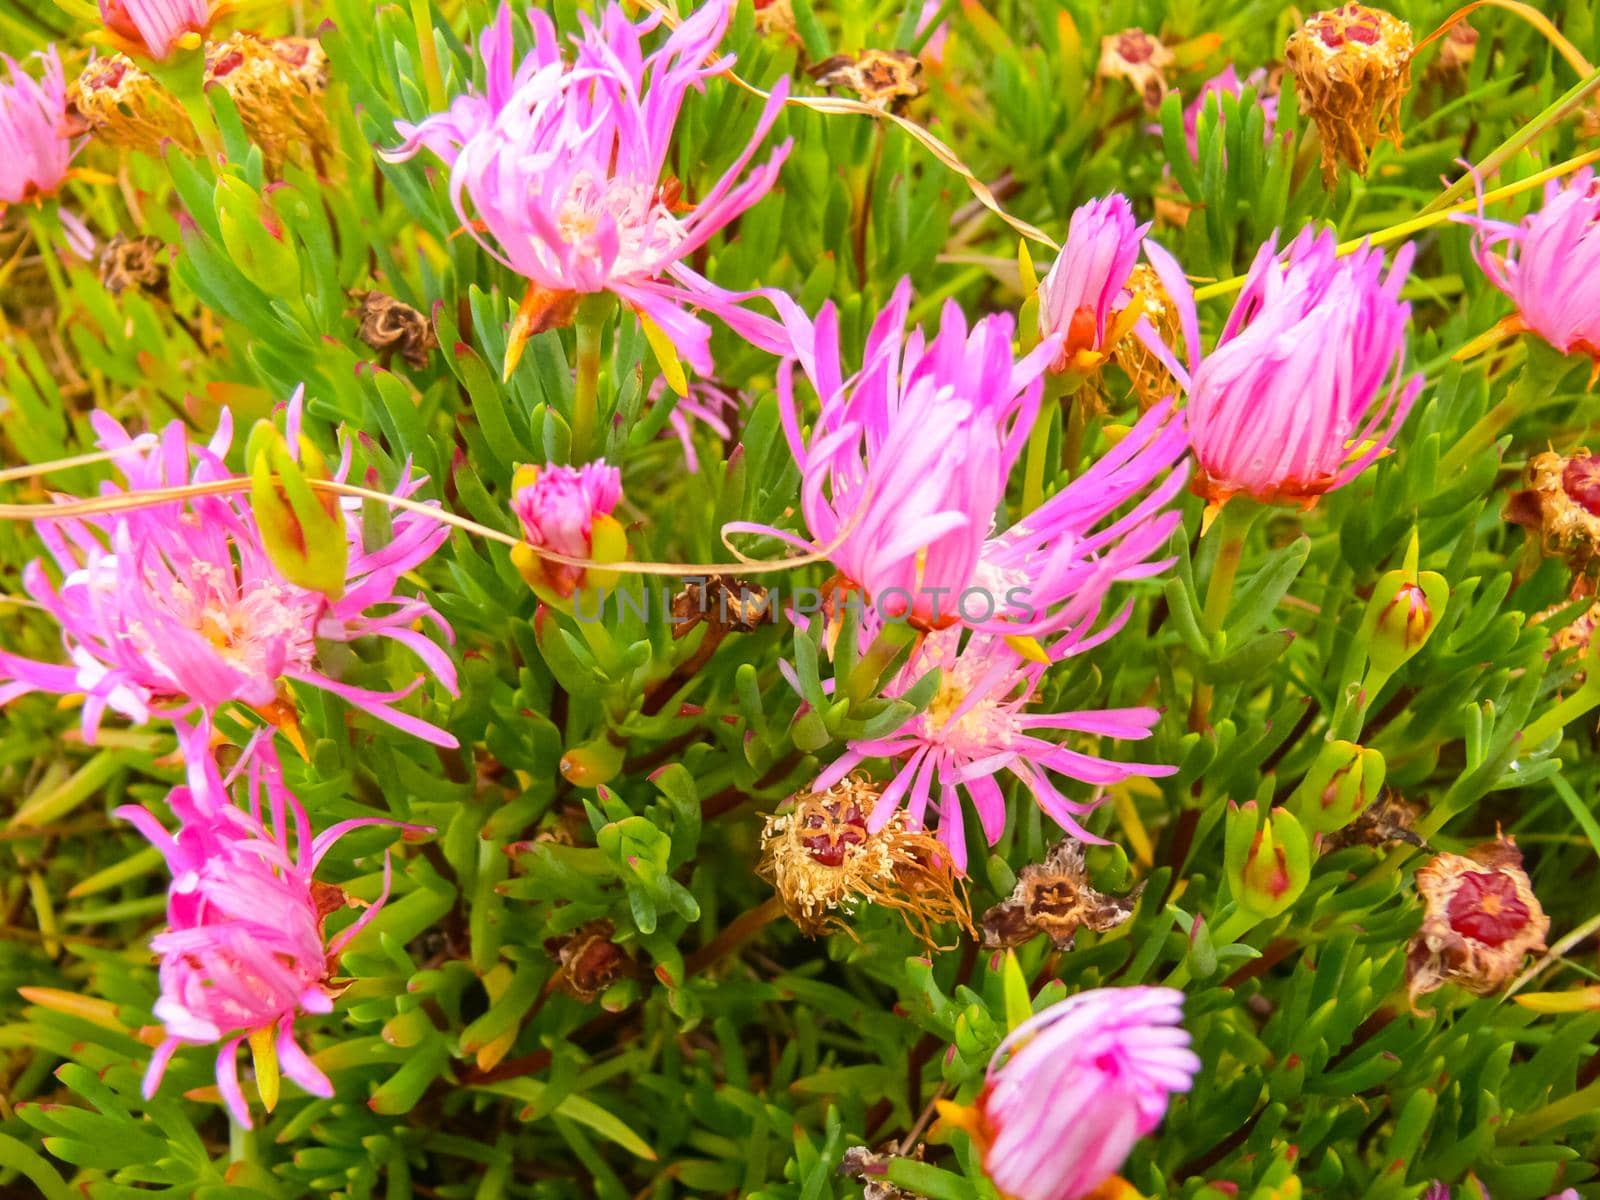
[388, 324]
[1383, 823]
[1480, 921]
[724, 602]
[882, 78]
[139, 263]
[1141, 59]
[1352, 65]
[823, 862]
[276, 84]
[590, 961]
[1456, 52]
[1152, 381]
[1055, 898]
[1561, 503]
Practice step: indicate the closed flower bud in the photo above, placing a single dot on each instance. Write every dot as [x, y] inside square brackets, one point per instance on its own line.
[254, 236]
[1404, 611]
[1267, 863]
[303, 530]
[567, 510]
[1352, 65]
[1344, 779]
[1481, 919]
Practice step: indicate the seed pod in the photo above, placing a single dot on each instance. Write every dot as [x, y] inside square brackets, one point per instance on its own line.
[1055, 898]
[1352, 65]
[1561, 504]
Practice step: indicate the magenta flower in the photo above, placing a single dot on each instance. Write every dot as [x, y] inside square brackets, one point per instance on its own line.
[244, 952]
[565, 509]
[35, 152]
[907, 465]
[1306, 385]
[1072, 1089]
[1089, 280]
[933, 49]
[156, 27]
[563, 164]
[173, 610]
[979, 726]
[1550, 265]
[1227, 83]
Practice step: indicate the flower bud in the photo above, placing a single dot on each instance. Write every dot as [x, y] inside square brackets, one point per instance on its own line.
[1343, 780]
[568, 510]
[254, 237]
[1404, 611]
[598, 762]
[303, 530]
[1351, 65]
[1268, 864]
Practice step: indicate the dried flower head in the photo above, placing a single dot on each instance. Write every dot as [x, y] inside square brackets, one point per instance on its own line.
[1387, 821]
[883, 78]
[123, 105]
[1456, 52]
[775, 18]
[1152, 379]
[1480, 920]
[1352, 65]
[823, 862]
[869, 1169]
[1141, 59]
[1055, 898]
[388, 325]
[590, 960]
[725, 603]
[1561, 503]
[1573, 638]
[138, 263]
[277, 86]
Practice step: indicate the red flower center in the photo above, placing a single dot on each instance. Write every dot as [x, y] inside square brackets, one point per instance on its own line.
[1580, 479]
[1135, 47]
[1487, 909]
[828, 845]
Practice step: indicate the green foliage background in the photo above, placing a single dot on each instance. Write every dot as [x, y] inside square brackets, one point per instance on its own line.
[749, 1072]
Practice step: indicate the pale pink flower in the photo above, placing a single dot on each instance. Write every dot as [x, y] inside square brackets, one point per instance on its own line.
[156, 26]
[1072, 1088]
[558, 507]
[933, 49]
[979, 727]
[1306, 385]
[905, 473]
[244, 951]
[564, 165]
[35, 152]
[174, 609]
[1227, 83]
[706, 404]
[1549, 263]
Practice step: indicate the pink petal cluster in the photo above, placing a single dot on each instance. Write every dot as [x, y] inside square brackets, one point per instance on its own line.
[244, 951]
[906, 470]
[564, 164]
[706, 404]
[1227, 83]
[1306, 385]
[558, 507]
[978, 727]
[175, 609]
[35, 152]
[155, 25]
[1549, 263]
[1074, 1087]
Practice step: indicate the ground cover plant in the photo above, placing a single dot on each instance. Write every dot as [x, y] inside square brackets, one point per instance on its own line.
[799, 599]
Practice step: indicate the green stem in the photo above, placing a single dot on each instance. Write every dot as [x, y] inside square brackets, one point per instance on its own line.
[1038, 446]
[1232, 526]
[1541, 373]
[184, 77]
[592, 314]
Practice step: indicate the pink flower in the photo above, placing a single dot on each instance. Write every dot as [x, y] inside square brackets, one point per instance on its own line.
[978, 726]
[35, 153]
[1073, 1087]
[560, 509]
[907, 466]
[156, 27]
[1306, 385]
[1227, 83]
[1088, 279]
[1550, 265]
[706, 404]
[933, 49]
[244, 952]
[563, 164]
[173, 609]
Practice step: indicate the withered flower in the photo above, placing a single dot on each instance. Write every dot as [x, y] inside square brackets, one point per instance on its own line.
[590, 961]
[1383, 823]
[775, 18]
[124, 106]
[1055, 898]
[1481, 919]
[1561, 503]
[1141, 59]
[1152, 380]
[727, 604]
[882, 78]
[823, 863]
[1352, 65]
[1456, 52]
[277, 85]
[869, 1168]
[1573, 637]
[388, 325]
[136, 263]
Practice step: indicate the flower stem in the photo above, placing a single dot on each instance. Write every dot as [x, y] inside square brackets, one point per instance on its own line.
[1541, 373]
[590, 322]
[1232, 526]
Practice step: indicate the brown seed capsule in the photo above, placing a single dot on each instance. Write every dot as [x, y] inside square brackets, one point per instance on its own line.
[1561, 503]
[1385, 822]
[869, 1168]
[725, 603]
[1351, 65]
[1055, 898]
[388, 324]
[138, 263]
[124, 106]
[1141, 59]
[1481, 919]
[882, 78]
[590, 961]
[1456, 52]
[822, 861]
